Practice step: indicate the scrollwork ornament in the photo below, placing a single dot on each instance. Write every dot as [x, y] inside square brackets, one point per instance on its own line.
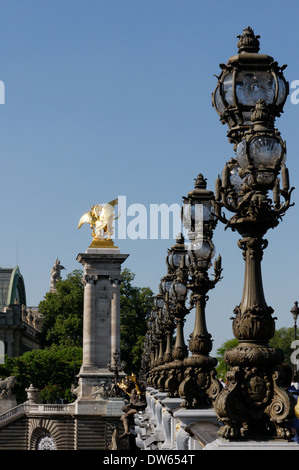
[281, 408]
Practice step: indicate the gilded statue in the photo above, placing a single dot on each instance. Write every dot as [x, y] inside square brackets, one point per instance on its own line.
[100, 218]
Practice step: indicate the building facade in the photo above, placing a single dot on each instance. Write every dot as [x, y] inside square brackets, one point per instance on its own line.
[19, 324]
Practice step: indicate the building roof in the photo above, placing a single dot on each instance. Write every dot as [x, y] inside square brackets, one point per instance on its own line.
[12, 287]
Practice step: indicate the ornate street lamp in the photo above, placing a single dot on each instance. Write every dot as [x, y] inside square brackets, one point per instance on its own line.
[156, 344]
[175, 303]
[146, 358]
[116, 368]
[246, 78]
[295, 313]
[167, 315]
[200, 386]
[255, 402]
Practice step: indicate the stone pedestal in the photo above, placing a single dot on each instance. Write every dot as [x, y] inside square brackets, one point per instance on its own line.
[101, 325]
[7, 403]
[193, 422]
[114, 406]
[169, 422]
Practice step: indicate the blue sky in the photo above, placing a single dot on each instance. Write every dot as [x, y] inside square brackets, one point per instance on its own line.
[113, 97]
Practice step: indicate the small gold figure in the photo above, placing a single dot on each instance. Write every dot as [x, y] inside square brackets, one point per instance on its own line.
[100, 218]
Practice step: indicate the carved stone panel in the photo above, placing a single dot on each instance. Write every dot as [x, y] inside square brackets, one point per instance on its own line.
[103, 302]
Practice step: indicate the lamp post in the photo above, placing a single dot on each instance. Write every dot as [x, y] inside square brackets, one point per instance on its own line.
[175, 303]
[151, 349]
[166, 359]
[199, 386]
[116, 368]
[295, 313]
[155, 346]
[249, 95]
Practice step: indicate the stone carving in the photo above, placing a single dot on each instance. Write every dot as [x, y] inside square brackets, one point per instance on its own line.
[55, 274]
[101, 391]
[6, 386]
[103, 302]
[75, 390]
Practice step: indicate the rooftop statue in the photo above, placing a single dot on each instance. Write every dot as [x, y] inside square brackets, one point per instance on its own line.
[55, 274]
[101, 218]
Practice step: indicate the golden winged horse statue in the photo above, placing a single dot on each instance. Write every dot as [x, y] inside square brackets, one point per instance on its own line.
[100, 218]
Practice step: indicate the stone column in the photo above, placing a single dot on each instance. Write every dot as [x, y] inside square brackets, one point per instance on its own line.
[89, 356]
[115, 319]
[101, 324]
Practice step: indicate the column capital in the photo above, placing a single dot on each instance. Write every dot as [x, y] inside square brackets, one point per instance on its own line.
[115, 280]
[90, 279]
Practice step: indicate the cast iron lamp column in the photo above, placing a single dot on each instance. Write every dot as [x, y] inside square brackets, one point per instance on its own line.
[152, 347]
[146, 359]
[167, 332]
[175, 302]
[158, 339]
[116, 367]
[295, 313]
[255, 402]
[200, 385]
[168, 315]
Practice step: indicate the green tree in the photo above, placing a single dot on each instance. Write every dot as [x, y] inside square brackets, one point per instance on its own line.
[283, 339]
[50, 368]
[222, 366]
[135, 306]
[63, 312]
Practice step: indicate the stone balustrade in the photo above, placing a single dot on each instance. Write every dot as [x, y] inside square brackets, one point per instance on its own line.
[166, 425]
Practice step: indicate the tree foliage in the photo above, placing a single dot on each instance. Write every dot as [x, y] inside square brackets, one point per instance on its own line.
[222, 366]
[283, 339]
[44, 368]
[63, 312]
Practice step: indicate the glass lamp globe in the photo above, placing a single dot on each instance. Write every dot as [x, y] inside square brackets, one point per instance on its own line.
[197, 207]
[203, 249]
[159, 301]
[265, 152]
[262, 154]
[235, 179]
[176, 252]
[174, 259]
[196, 213]
[165, 285]
[179, 291]
[154, 315]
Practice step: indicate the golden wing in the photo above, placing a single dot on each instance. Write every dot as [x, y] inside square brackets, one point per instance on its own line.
[113, 203]
[87, 218]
